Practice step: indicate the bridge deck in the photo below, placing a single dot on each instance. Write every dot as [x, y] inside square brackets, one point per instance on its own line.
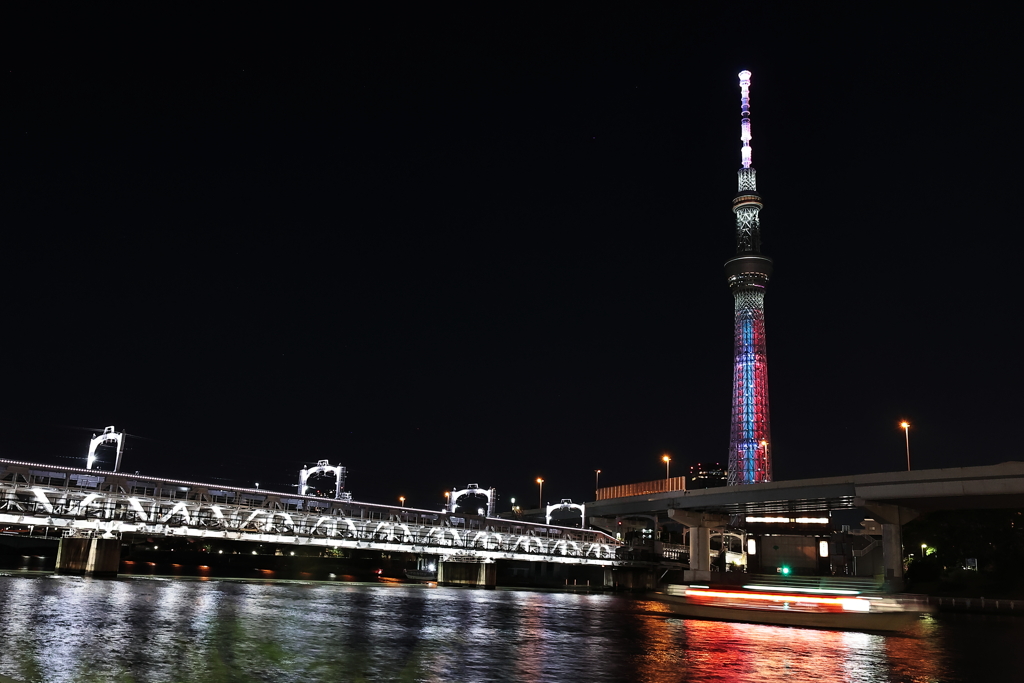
[990, 486]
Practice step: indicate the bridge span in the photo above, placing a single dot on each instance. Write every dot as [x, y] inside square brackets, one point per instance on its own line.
[83, 502]
[892, 499]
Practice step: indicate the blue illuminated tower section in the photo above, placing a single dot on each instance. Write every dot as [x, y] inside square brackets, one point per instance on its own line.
[748, 273]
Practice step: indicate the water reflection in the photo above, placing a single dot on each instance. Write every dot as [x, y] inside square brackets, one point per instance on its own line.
[60, 629]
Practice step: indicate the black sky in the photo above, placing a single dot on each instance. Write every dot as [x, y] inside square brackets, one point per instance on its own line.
[454, 248]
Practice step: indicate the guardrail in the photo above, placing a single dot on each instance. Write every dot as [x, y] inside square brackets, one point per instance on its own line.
[642, 488]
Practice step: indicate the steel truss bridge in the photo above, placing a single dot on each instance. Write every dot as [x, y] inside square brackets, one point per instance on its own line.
[75, 502]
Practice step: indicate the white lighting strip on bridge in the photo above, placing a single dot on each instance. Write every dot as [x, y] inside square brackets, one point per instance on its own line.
[788, 520]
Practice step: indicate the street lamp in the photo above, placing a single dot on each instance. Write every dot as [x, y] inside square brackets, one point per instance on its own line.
[447, 498]
[597, 478]
[906, 432]
[402, 498]
[540, 493]
[667, 460]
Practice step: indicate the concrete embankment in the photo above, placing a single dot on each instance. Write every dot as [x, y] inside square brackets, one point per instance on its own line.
[978, 605]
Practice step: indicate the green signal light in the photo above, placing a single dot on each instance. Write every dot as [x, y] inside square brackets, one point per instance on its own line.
[785, 571]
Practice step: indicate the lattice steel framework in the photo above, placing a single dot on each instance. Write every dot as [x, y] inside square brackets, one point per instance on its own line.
[72, 501]
[748, 273]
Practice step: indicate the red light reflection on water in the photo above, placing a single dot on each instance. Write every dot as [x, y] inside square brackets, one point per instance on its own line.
[917, 658]
[733, 652]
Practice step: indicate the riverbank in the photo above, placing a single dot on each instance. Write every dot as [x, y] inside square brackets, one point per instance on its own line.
[978, 605]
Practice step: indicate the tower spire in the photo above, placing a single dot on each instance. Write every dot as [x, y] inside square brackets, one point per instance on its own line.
[747, 274]
[745, 120]
[747, 204]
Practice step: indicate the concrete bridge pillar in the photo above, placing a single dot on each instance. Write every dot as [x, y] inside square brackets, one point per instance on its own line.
[97, 557]
[700, 548]
[700, 525]
[475, 574]
[72, 555]
[892, 517]
[104, 558]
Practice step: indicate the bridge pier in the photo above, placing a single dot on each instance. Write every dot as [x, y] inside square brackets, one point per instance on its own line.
[96, 557]
[892, 517]
[72, 555]
[474, 574]
[700, 525]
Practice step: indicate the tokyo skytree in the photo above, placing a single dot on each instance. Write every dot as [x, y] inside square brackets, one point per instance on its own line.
[748, 272]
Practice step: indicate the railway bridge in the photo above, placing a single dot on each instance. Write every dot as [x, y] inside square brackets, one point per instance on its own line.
[90, 510]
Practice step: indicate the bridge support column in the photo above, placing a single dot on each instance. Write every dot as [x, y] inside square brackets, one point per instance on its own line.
[700, 549]
[104, 558]
[476, 574]
[72, 555]
[700, 525]
[892, 517]
[97, 557]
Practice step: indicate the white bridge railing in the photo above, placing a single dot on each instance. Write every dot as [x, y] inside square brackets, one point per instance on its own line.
[74, 500]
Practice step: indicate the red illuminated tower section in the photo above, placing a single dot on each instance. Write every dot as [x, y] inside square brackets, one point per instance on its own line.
[748, 272]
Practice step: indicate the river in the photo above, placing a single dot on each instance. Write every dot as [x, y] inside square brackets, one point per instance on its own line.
[130, 630]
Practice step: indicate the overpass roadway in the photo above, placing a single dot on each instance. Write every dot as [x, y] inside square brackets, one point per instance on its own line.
[892, 498]
[958, 488]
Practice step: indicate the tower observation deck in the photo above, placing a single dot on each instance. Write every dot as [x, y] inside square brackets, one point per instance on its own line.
[747, 273]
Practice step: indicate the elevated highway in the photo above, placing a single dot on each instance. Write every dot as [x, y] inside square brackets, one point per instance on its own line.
[959, 488]
[891, 498]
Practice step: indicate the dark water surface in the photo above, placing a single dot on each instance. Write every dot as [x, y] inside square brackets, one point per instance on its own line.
[145, 629]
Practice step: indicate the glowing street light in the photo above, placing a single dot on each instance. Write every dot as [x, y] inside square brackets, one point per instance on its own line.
[668, 461]
[597, 478]
[402, 498]
[540, 493]
[906, 432]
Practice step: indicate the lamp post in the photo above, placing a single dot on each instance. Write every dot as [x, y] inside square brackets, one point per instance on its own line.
[540, 492]
[597, 478]
[402, 498]
[906, 433]
[668, 461]
[447, 500]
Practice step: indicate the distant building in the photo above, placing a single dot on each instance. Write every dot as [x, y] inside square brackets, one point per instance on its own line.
[707, 476]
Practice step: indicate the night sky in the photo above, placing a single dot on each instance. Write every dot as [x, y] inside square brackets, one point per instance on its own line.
[452, 248]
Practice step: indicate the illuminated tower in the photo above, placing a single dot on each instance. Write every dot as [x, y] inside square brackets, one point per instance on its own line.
[748, 273]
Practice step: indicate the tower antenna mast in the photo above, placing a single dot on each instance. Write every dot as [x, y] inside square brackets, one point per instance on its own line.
[745, 119]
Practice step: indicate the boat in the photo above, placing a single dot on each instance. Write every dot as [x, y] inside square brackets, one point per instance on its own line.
[791, 606]
[421, 575]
